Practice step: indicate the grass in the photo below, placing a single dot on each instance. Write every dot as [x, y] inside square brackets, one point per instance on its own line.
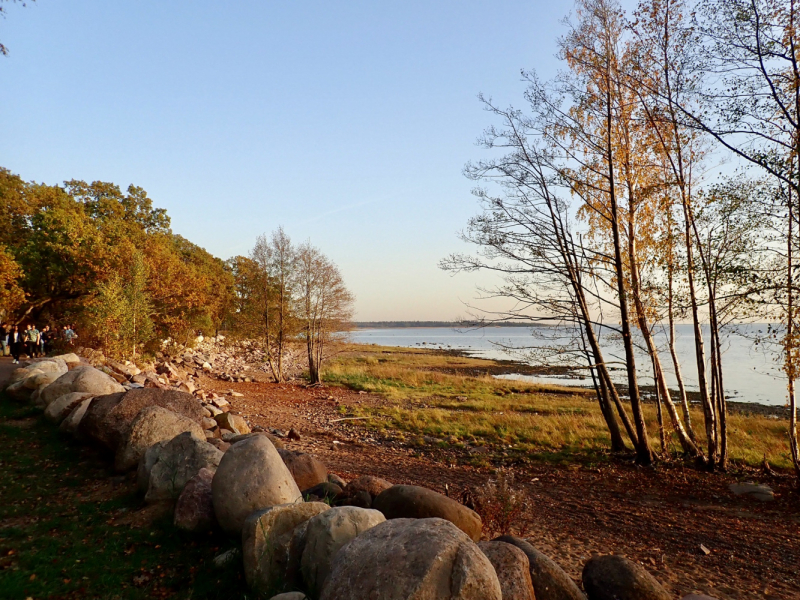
[64, 531]
[457, 401]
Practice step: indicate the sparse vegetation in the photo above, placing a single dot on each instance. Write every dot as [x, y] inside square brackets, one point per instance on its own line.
[451, 398]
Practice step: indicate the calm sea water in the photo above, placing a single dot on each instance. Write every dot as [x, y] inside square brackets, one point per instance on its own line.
[751, 371]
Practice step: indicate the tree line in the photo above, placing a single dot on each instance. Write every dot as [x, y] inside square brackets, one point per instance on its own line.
[107, 260]
[602, 210]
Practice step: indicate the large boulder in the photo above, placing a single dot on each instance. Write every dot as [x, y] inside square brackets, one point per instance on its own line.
[290, 596]
[414, 502]
[326, 534]
[178, 461]
[251, 476]
[146, 464]
[194, 510]
[424, 559]
[306, 470]
[73, 419]
[613, 577]
[512, 568]
[117, 420]
[93, 425]
[152, 425]
[59, 409]
[71, 359]
[81, 379]
[266, 540]
[550, 582]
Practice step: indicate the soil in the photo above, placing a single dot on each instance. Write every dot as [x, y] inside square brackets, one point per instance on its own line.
[665, 517]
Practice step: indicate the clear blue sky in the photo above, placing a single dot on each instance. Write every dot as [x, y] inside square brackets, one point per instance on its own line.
[346, 122]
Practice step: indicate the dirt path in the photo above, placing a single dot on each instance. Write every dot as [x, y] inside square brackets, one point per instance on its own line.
[660, 517]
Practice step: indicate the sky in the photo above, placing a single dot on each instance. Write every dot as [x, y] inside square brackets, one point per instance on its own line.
[347, 123]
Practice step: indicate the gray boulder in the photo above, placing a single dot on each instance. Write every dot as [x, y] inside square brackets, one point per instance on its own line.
[81, 379]
[251, 476]
[613, 577]
[424, 559]
[73, 419]
[61, 407]
[152, 425]
[326, 534]
[550, 582]
[266, 540]
[178, 461]
[512, 568]
[362, 491]
[146, 464]
[414, 502]
[306, 470]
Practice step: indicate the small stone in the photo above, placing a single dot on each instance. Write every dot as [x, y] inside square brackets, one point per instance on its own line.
[227, 557]
[293, 434]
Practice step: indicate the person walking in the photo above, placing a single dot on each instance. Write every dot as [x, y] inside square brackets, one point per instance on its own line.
[15, 342]
[44, 335]
[33, 340]
[4, 339]
[70, 334]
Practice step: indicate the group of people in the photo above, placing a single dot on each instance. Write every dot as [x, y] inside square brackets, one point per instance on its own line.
[18, 340]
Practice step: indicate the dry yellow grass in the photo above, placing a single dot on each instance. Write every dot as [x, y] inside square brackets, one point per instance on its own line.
[454, 399]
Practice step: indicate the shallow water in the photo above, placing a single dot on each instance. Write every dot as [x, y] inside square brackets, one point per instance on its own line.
[751, 371]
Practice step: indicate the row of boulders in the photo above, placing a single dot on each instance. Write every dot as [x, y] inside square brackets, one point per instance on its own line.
[302, 528]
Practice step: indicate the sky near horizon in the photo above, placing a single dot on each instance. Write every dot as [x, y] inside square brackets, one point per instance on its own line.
[348, 123]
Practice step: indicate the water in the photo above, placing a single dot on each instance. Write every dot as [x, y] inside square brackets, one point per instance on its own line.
[751, 372]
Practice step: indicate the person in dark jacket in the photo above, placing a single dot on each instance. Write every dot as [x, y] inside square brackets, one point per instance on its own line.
[15, 343]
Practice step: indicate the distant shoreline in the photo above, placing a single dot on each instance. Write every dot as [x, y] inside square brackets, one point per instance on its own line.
[437, 325]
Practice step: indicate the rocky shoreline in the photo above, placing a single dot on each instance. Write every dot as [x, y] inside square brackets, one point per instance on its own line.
[301, 527]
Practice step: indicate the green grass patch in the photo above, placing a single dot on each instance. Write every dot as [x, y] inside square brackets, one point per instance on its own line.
[428, 393]
[65, 528]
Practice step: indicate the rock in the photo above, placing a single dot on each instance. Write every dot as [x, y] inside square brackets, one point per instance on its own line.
[325, 491]
[266, 536]
[290, 596]
[92, 426]
[306, 470]
[326, 534]
[293, 434]
[756, 491]
[697, 597]
[412, 558]
[373, 486]
[512, 568]
[177, 462]
[251, 476]
[279, 445]
[213, 410]
[61, 407]
[117, 420]
[218, 443]
[613, 577]
[81, 379]
[334, 478]
[73, 419]
[71, 359]
[414, 502]
[146, 464]
[152, 425]
[208, 423]
[232, 422]
[194, 510]
[550, 582]
[227, 557]
[360, 498]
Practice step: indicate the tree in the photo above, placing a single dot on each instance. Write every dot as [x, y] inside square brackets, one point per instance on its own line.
[3, 49]
[324, 306]
[11, 294]
[275, 258]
